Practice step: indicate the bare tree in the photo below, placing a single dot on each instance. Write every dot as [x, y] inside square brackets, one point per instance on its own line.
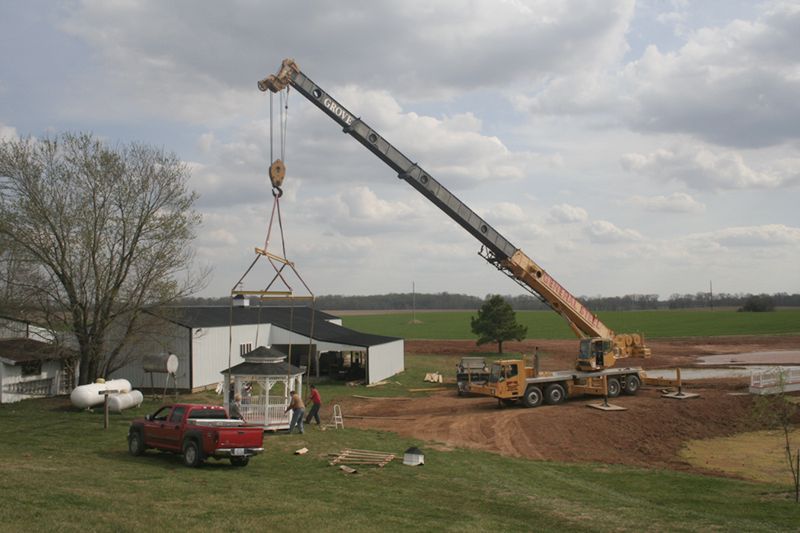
[108, 231]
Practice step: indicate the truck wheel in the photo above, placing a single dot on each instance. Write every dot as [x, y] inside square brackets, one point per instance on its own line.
[240, 461]
[632, 384]
[135, 443]
[533, 396]
[191, 454]
[554, 394]
[613, 387]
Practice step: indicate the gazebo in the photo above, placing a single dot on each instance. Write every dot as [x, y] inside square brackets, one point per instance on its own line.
[264, 381]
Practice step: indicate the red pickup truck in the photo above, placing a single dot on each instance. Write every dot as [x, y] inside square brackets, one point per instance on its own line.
[198, 432]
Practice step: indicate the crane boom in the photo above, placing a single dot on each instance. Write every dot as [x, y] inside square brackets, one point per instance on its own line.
[496, 249]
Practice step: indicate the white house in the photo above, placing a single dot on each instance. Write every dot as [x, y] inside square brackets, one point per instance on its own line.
[209, 339]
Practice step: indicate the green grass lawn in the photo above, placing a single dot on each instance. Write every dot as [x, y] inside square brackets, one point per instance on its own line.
[60, 471]
[549, 325]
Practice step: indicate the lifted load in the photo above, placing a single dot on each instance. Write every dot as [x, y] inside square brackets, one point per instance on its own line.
[510, 381]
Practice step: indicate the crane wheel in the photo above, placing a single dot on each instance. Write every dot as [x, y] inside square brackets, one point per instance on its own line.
[533, 396]
[632, 384]
[554, 394]
[613, 387]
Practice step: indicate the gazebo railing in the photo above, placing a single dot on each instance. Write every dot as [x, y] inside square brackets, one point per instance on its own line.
[267, 411]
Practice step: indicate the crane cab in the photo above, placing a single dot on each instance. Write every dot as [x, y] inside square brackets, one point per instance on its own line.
[596, 353]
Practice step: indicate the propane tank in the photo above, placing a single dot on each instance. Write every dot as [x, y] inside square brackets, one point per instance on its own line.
[85, 396]
[119, 402]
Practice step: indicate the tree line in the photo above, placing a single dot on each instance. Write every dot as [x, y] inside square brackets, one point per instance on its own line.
[524, 302]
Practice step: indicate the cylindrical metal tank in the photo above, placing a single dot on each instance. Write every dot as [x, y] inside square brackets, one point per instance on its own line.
[89, 395]
[119, 402]
[167, 364]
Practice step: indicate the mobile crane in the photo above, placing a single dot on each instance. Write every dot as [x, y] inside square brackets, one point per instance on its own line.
[600, 347]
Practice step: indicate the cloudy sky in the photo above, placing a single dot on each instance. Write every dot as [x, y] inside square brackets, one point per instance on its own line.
[627, 147]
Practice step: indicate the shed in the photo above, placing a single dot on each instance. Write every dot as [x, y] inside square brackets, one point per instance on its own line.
[33, 369]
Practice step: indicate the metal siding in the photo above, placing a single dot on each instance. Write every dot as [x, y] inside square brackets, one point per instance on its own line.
[385, 360]
[211, 346]
[173, 340]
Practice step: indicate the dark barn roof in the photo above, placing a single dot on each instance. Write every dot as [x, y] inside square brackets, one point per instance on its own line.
[297, 320]
[23, 350]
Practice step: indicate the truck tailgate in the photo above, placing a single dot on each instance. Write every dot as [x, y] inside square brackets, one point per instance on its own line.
[241, 437]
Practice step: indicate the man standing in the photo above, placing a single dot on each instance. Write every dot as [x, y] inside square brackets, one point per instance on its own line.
[316, 403]
[235, 407]
[298, 408]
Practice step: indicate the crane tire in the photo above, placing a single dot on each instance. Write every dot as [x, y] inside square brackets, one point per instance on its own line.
[632, 384]
[533, 396]
[613, 387]
[554, 394]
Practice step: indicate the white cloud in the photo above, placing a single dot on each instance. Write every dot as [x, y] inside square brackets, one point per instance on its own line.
[677, 202]
[446, 46]
[768, 235]
[734, 85]
[359, 211]
[603, 231]
[504, 212]
[701, 168]
[568, 213]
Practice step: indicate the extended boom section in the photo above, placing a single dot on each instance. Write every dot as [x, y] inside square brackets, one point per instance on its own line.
[601, 346]
[406, 169]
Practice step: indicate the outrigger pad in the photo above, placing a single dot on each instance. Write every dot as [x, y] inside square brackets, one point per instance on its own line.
[606, 407]
[680, 395]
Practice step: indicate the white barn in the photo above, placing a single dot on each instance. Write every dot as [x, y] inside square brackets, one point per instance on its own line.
[209, 339]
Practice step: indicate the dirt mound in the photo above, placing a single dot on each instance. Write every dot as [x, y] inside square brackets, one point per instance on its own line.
[649, 433]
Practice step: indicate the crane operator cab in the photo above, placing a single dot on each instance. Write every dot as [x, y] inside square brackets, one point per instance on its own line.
[503, 370]
[596, 354]
[505, 376]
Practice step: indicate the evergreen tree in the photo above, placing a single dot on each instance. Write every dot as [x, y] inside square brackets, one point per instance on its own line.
[497, 322]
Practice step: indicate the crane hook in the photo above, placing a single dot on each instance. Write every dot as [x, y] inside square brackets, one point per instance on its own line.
[277, 171]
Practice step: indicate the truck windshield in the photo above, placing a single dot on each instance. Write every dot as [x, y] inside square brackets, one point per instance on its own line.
[496, 373]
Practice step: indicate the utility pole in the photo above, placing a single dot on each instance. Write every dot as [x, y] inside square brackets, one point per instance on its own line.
[710, 295]
[413, 303]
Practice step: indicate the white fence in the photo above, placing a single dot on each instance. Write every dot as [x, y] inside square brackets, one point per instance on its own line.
[775, 380]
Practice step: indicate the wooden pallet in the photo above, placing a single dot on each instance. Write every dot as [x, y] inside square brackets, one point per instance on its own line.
[362, 457]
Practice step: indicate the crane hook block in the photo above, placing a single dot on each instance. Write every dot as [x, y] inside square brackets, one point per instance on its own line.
[277, 171]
